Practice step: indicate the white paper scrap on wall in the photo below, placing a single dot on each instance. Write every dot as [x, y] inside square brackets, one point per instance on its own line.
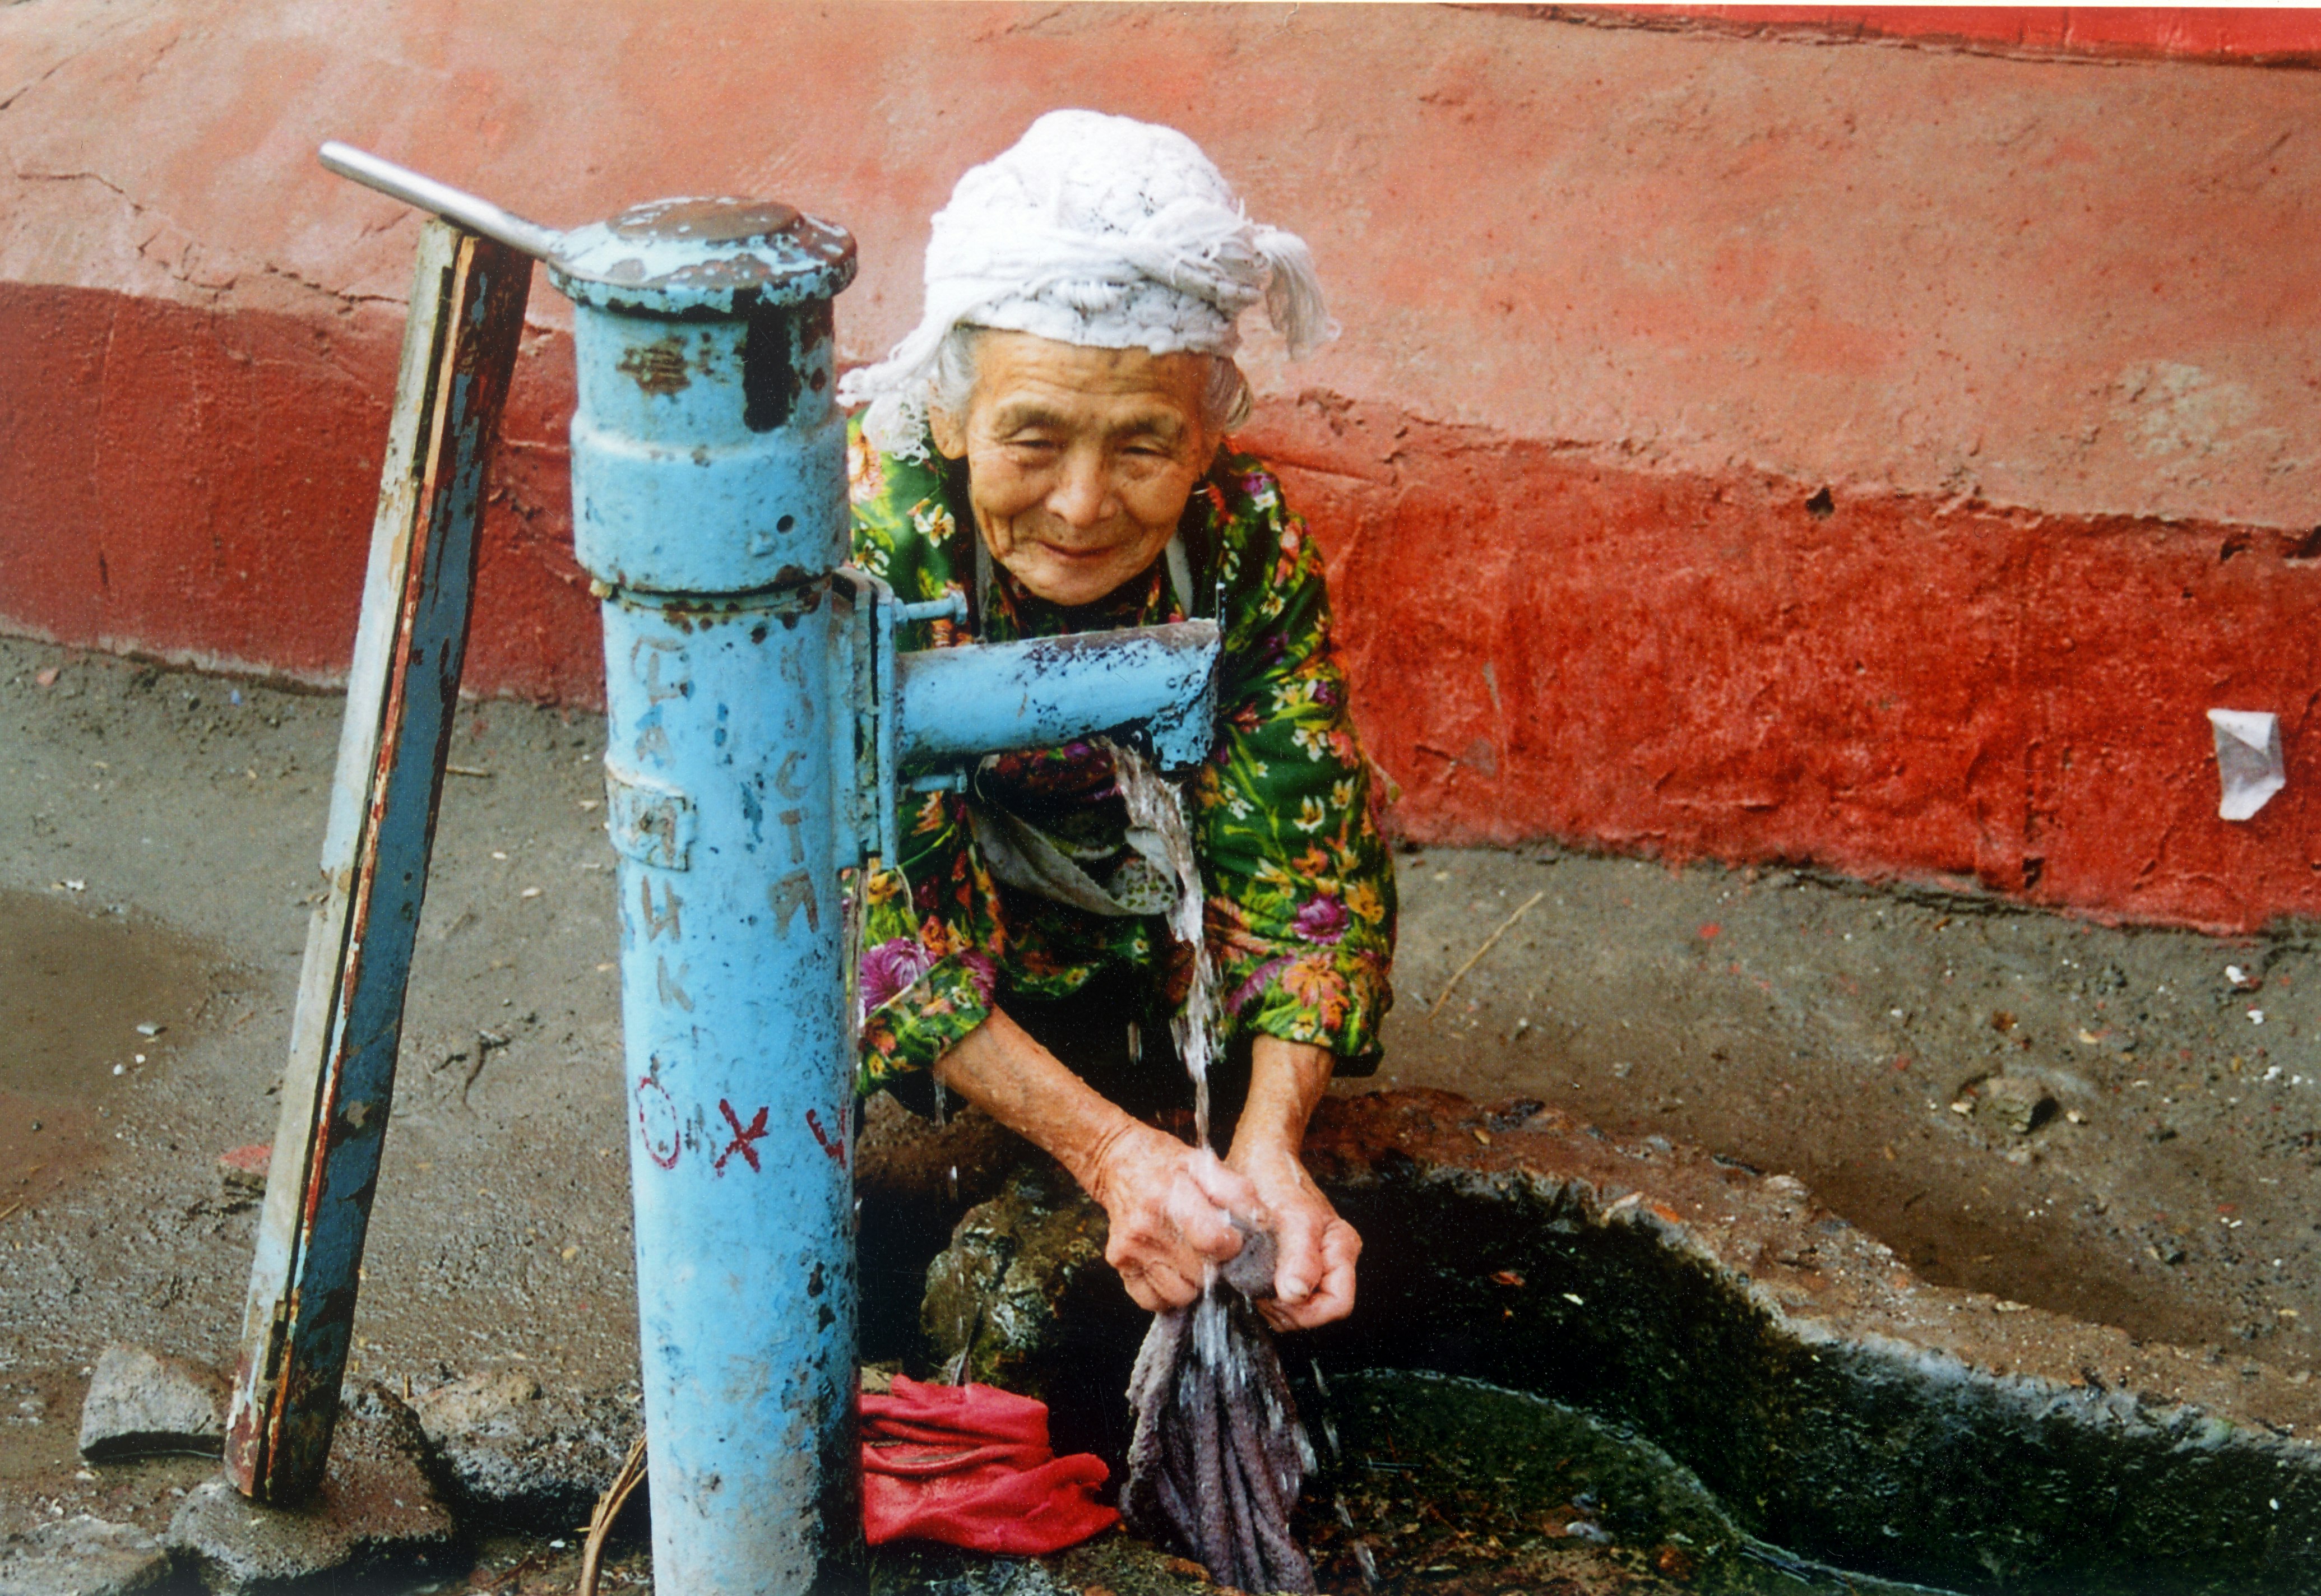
[2248, 760]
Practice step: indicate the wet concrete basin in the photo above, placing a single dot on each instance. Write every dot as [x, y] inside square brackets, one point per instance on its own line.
[1830, 1404]
[1835, 1404]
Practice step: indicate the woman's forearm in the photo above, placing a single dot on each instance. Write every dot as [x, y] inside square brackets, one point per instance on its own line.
[1315, 1250]
[1002, 1071]
[1286, 1081]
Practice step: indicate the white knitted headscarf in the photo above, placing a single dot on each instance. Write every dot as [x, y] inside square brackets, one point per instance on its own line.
[1098, 230]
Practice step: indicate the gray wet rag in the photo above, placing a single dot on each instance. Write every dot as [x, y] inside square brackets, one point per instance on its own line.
[1218, 1456]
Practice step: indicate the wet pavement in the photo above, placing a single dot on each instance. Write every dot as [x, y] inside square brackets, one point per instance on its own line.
[89, 1001]
[167, 826]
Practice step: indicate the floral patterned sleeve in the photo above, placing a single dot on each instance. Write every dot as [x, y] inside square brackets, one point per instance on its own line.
[931, 930]
[1301, 906]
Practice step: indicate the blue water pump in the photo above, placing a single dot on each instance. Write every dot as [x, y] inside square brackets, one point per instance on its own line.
[761, 726]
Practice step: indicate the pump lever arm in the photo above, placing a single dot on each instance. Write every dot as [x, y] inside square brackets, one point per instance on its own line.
[414, 189]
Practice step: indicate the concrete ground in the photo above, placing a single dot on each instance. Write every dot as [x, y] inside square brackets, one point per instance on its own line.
[158, 834]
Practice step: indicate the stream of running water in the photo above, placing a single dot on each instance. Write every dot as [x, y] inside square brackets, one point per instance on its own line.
[1157, 804]
[1209, 1389]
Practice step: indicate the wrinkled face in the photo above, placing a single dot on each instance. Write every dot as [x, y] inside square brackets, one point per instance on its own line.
[1080, 460]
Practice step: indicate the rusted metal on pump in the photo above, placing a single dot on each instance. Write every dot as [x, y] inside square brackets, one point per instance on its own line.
[458, 355]
[695, 259]
[706, 221]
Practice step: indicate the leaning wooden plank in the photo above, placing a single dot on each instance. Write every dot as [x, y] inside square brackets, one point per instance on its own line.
[459, 353]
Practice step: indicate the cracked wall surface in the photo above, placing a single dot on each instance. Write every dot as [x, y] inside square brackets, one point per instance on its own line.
[1861, 453]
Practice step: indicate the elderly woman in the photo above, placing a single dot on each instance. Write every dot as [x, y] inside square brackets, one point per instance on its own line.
[1051, 440]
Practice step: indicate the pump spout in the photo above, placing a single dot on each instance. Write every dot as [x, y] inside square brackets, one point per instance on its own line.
[920, 717]
[966, 702]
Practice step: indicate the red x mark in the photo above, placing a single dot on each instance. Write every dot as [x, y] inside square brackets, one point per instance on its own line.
[742, 1138]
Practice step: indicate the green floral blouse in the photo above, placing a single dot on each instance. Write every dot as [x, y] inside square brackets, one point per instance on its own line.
[1300, 907]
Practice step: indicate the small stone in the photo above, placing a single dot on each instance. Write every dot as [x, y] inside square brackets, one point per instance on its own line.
[2014, 1103]
[242, 1174]
[81, 1556]
[518, 1454]
[376, 1513]
[141, 1404]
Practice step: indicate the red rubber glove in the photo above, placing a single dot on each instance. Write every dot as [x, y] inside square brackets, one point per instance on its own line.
[970, 1465]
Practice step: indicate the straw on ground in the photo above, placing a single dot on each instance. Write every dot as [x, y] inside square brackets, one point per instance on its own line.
[1476, 957]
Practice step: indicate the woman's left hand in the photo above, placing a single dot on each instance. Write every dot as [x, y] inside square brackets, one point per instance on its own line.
[1315, 1249]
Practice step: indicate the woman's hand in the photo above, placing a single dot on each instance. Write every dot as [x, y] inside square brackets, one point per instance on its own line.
[1170, 1208]
[1315, 1249]
[1167, 1204]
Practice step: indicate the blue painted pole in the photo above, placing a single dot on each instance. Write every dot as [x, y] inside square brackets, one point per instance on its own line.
[709, 502]
[458, 355]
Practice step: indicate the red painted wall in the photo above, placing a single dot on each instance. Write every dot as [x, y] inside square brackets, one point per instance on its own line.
[1683, 665]
[1620, 301]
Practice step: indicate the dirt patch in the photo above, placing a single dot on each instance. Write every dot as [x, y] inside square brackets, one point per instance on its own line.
[194, 807]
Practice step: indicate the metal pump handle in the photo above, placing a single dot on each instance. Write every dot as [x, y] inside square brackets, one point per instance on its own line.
[413, 188]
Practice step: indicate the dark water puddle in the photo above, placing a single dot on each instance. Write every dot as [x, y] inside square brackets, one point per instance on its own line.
[73, 989]
[1450, 1486]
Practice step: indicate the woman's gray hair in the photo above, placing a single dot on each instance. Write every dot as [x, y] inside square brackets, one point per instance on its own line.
[1225, 401]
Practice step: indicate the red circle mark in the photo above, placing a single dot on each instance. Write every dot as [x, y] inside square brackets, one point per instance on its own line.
[657, 1120]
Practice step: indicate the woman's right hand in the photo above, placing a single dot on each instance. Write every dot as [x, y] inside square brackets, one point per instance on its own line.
[1170, 1208]
[1170, 1205]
